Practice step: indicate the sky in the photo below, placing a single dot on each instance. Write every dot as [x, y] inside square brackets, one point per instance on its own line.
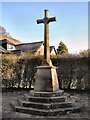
[71, 27]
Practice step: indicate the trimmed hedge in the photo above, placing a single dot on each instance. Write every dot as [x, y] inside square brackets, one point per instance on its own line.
[72, 72]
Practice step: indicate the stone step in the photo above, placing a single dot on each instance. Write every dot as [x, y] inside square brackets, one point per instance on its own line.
[44, 105]
[45, 99]
[48, 112]
[47, 94]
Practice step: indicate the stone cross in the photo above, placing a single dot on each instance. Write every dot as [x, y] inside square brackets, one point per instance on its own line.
[46, 21]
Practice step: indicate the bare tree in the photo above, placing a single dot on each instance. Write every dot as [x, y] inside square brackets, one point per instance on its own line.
[4, 32]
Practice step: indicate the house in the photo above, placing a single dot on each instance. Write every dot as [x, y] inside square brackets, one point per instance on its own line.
[17, 52]
[2, 50]
[17, 47]
[52, 50]
[34, 47]
[8, 43]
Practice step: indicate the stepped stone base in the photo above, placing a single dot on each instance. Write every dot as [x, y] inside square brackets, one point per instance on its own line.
[46, 104]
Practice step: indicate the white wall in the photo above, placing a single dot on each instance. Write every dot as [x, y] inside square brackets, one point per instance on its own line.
[53, 52]
[10, 47]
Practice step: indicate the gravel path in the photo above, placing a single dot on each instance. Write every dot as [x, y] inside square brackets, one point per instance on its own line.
[9, 114]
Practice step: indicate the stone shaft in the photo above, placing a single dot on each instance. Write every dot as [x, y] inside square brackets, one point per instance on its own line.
[46, 40]
[46, 21]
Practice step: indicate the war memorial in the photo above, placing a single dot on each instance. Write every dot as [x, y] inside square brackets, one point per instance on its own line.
[46, 99]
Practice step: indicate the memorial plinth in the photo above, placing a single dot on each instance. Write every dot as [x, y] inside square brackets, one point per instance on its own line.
[46, 79]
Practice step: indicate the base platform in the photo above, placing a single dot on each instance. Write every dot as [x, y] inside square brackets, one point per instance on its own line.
[46, 104]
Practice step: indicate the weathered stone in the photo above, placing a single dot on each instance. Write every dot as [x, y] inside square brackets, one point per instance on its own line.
[46, 99]
[47, 94]
[46, 106]
[46, 79]
[46, 76]
[46, 21]
[45, 112]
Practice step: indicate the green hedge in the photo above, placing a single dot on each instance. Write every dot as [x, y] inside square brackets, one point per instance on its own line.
[18, 72]
[73, 73]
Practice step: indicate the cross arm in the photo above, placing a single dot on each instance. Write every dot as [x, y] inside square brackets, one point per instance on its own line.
[52, 19]
[39, 21]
